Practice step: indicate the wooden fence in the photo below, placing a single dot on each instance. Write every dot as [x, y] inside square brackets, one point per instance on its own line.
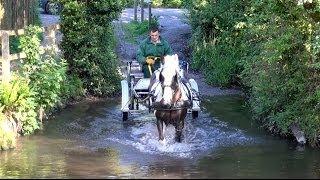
[49, 42]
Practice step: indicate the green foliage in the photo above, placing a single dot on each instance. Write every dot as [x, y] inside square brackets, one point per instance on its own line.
[35, 13]
[281, 71]
[128, 3]
[72, 88]
[167, 3]
[30, 44]
[273, 47]
[134, 29]
[47, 81]
[17, 102]
[216, 43]
[90, 54]
[14, 44]
[46, 73]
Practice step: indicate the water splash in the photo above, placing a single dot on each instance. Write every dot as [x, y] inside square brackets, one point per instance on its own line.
[199, 136]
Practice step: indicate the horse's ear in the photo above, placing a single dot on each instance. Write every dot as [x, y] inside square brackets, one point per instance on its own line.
[162, 59]
[176, 57]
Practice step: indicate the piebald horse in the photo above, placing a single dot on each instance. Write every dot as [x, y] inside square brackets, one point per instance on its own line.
[171, 98]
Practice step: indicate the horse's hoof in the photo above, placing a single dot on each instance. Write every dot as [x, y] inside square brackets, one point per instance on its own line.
[178, 139]
[163, 142]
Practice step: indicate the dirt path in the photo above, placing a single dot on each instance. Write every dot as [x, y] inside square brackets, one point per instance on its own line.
[173, 27]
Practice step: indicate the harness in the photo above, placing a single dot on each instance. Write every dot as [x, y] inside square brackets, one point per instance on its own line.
[176, 106]
[179, 104]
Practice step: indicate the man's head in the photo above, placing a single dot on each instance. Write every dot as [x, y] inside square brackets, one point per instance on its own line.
[154, 34]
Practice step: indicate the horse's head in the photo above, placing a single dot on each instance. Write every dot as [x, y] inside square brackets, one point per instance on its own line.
[169, 80]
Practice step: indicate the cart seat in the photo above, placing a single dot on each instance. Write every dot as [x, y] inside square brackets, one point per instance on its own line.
[142, 85]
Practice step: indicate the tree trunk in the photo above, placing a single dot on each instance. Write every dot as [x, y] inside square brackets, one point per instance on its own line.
[142, 10]
[17, 14]
[135, 6]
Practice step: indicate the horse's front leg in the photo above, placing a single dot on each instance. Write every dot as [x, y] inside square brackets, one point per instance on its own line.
[160, 129]
[178, 135]
[178, 128]
[179, 125]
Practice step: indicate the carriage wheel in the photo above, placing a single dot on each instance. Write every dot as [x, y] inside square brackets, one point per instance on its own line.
[149, 105]
[137, 104]
[125, 116]
[195, 114]
[131, 105]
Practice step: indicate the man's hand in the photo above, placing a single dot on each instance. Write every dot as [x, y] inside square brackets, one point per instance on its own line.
[150, 61]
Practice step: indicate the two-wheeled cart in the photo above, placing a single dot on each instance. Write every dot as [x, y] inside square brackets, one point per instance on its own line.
[135, 92]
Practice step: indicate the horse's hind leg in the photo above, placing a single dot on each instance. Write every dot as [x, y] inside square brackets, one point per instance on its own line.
[160, 129]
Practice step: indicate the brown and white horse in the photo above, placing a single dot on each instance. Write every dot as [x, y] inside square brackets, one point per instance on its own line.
[170, 97]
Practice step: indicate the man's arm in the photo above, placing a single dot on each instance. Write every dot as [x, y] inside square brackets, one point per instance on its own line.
[141, 54]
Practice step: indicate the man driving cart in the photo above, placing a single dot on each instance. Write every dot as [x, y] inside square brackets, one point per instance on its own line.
[151, 52]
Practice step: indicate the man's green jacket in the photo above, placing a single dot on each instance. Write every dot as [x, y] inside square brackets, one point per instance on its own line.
[147, 48]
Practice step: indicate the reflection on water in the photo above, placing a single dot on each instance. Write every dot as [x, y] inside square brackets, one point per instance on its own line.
[89, 140]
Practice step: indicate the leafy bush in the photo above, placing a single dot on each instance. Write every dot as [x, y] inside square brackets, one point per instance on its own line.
[273, 47]
[167, 3]
[135, 29]
[46, 73]
[90, 54]
[128, 3]
[281, 71]
[216, 41]
[14, 44]
[47, 81]
[72, 88]
[17, 102]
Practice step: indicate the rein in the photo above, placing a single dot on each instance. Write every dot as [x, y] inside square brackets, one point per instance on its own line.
[176, 104]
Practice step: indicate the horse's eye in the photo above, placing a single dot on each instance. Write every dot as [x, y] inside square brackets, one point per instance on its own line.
[175, 78]
[161, 78]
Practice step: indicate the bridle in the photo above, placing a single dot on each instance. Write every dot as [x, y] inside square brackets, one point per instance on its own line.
[174, 85]
[159, 87]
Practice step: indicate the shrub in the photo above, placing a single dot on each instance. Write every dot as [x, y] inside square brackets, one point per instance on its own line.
[217, 39]
[90, 54]
[135, 29]
[17, 102]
